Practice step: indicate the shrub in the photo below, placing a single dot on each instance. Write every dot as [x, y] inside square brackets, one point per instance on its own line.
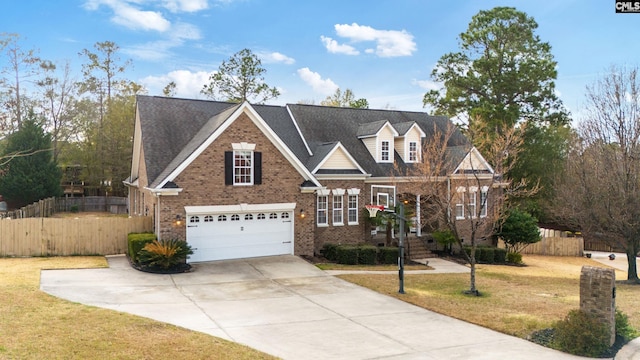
[388, 255]
[514, 258]
[623, 329]
[347, 254]
[485, 255]
[74, 208]
[445, 238]
[164, 254]
[135, 243]
[329, 251]
[500, 255]
[367, 254]
[581, 334]
[518, 230]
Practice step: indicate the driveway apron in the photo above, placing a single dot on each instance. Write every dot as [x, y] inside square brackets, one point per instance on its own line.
[287, 307]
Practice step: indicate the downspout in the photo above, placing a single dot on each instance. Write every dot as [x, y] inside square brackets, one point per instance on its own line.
[158, 232]
[418, 223]
[448, 199]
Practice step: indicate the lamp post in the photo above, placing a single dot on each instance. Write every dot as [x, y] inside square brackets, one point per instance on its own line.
[401, 247]
[373, 210]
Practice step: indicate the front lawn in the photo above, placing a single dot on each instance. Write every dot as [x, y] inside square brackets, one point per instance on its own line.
[35, 325]
[515, 300]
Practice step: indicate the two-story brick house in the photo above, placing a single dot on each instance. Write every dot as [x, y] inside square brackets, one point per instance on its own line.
[242, 180]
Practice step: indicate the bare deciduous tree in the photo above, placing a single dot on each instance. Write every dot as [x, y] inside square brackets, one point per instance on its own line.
[461, 192]
[600, 190]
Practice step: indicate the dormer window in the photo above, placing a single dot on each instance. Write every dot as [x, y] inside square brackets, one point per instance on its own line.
[379, 138]
[413, 151]
[384, 151]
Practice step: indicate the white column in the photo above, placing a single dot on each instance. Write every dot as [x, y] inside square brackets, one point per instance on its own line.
[418, 224]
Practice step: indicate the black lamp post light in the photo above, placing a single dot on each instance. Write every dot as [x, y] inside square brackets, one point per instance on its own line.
[373, 211]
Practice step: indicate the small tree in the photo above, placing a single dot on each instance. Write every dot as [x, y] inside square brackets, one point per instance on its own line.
[518, 230]
[469, 202]
[33, 176]
[241, 78]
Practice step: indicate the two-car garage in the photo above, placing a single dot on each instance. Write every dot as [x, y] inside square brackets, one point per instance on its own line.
[239, 231]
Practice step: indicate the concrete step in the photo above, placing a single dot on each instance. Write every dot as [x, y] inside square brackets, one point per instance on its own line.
[417, 249]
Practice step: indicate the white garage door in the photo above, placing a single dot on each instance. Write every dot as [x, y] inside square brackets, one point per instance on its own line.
[239, 231]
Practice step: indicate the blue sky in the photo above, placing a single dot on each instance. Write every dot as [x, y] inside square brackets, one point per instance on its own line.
[383, 51]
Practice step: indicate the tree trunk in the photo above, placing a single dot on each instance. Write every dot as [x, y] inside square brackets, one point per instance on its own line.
[472, 278]
[632, 271]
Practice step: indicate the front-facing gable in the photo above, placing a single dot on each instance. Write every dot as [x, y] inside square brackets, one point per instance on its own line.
[379, 138]
[473, 163]
[408, 143]
[337, 161]
[217, 126]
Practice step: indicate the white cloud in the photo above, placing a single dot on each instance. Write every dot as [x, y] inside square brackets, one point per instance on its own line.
[427, 84]
[275, 57]
[185, 5]
[188, 84]
[389, 43]
[335, 48]
[131, 17]
[184, 31]
[318, 84]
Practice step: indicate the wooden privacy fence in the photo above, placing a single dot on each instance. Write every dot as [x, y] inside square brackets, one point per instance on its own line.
[555, 246]
[67, 236]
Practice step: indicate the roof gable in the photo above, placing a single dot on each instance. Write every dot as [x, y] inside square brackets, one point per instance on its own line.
[338, 158]
[204, 136]
[375, 128]
[473, 162]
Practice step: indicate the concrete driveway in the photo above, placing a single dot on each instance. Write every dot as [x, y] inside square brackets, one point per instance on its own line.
[288, 308]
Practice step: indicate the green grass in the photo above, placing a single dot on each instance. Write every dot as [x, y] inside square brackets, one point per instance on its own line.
[35, 325]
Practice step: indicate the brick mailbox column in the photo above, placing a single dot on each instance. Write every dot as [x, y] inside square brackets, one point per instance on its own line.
[598, 295]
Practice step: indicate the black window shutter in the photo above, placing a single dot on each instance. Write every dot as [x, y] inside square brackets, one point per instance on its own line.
[228, 167]
[257, 168]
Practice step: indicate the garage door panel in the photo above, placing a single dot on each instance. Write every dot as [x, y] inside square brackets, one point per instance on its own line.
[247, 235]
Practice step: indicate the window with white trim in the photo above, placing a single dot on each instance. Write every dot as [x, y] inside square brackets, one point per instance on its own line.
[235, 217]
[322, 207]
[384, 150]
[222, 217]
[483, 201]
[460, 203]
[208, 218]
[242, 167]
[413, 151]
[261, 216]
[337, 210]
[472, 203]
[352, 206]
[194, 219]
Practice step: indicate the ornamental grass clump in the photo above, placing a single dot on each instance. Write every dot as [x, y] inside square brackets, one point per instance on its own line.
[164, 254]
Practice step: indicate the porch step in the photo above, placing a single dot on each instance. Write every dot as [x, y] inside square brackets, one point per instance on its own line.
[417, 249]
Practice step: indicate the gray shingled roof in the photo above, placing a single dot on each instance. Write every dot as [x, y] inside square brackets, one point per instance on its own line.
[200, 137]
[370, 128]
[168, 125]
[321, 124]
[173, 128]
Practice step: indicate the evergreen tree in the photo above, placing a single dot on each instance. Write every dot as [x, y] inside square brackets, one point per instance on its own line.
[31, 174]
